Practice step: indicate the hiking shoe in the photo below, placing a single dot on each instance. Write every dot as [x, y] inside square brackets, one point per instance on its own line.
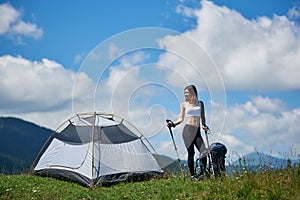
[202, 177]
[193, 178]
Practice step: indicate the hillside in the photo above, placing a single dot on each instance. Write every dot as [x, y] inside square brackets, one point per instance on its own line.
[171, 166]
[20, 142]
[265, 160]
[271, 184]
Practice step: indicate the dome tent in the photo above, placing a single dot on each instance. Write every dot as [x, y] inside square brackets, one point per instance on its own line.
[95, 148]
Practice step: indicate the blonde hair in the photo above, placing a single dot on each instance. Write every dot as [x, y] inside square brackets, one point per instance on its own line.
[193, 91]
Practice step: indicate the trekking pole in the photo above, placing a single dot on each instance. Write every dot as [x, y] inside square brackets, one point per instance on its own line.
[211, 166]
[178, 159]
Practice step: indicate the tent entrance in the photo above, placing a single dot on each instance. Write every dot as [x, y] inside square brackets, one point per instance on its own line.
[93, 148]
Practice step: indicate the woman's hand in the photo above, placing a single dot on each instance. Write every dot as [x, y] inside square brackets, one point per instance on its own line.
[170, 124]
[205, 128]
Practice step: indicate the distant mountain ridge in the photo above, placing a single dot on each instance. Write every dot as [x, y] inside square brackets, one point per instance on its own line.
[257, 158]
[260, 161]
[20, 142]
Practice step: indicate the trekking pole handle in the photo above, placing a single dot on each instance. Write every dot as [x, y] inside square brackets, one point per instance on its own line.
[170, 121]
[207, 131]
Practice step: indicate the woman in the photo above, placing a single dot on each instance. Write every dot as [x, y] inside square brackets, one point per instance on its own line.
[193, 110]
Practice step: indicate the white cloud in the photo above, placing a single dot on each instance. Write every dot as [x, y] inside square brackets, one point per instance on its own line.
[189, 63]
[8, 16]
[189, 12]
[126, 73]
[294, 12]
[115, 91]
[265, 104]
[263, 53]
[28, 87]
[261, 122]
[250, 54]
[46, 93]
[28, 29]
[79, 57]
[114, 51]
[11, 24]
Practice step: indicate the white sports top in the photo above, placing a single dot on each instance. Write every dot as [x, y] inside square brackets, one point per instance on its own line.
[192, 111]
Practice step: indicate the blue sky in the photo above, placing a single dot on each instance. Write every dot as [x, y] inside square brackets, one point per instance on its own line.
[134, 59]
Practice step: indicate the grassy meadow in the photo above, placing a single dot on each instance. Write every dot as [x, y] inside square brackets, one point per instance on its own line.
[268, 184]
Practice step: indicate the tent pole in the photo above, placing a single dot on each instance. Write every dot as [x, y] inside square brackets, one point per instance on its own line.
[93, 159]
[44, 145]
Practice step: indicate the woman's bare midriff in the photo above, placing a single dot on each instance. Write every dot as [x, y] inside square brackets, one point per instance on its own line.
[193, 121]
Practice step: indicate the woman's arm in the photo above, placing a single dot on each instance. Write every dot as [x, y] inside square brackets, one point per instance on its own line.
[180, 118]
[181, 115]
[203, 120]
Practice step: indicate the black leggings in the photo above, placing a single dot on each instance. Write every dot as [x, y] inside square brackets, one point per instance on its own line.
[191, 136]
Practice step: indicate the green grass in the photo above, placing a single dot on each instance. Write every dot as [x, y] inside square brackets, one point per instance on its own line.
[271, 184]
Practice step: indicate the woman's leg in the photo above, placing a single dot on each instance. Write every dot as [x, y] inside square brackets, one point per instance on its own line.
[199, 143]
[189, 133]
[191, 153]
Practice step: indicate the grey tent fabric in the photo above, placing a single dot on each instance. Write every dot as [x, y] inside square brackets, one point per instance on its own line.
[105, 135]
[93, 153]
